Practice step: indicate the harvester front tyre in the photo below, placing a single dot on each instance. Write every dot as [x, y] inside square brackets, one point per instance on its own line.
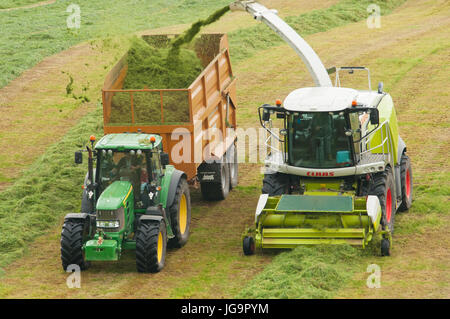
[406, 183]
[180, 215]
[385, 247]
[383, 187]
[275, 184]
[151, 241]
[217, 191]
[248, 246]
[72, 238]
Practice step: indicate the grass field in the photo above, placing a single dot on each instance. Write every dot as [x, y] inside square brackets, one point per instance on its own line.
[406, 53]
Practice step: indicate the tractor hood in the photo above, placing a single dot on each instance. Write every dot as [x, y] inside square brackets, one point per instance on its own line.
[114, 196]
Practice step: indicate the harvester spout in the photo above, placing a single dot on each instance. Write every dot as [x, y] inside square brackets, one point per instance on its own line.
[301, 47]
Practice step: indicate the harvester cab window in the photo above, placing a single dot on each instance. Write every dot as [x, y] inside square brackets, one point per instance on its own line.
[318, 140]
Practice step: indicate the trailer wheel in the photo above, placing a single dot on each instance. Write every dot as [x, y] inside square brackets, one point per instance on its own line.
[217, 191]
[275, 184]
[72, 238]
[248, 246]
[385, 247]
[407, 183]
[151, 241]
[180, 215]
[383, 187]
[232, 160]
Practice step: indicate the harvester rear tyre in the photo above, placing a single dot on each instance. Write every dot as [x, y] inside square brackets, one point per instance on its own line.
[383, 187]
[248, 246]
[407, 183]
[151, 241]
[217, 191]
[385, 247]
[72, 238]
[180, 215]
[275, 184]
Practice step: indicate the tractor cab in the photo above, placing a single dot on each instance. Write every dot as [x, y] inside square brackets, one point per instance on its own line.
[135, 158]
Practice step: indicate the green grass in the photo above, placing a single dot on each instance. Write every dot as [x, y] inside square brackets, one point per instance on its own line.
[29, 35]
[49, 189]
[246, 42]
[6, 4]
[305, 272]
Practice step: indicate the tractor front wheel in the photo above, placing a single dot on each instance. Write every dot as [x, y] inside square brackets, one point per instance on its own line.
[72, 239]
[180, 215]
[151, 241]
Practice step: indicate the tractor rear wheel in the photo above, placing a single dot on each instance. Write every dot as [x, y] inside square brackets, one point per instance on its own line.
[151, 241]
[407, 183]
[275, 184]
[180, 215]
[383, 187]
[217, 191]
[72, 238]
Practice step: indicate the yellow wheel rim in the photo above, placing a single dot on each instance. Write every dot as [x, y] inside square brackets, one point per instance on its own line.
[183, 214]
[160, 246]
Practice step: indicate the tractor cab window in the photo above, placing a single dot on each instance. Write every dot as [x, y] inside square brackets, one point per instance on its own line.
[318, 140]
[128, 166]
[155, 167]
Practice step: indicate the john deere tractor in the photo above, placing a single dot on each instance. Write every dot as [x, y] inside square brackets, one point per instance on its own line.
[337, 171]
[132, 199]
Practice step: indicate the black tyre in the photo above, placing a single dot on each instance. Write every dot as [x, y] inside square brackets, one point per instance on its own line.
[151, 241]
[248, 246]
[407, 183]
[180, 215]
[275, 184]
[73, 235]
[232, 160]
[217, 191]
[383, 187]
[385, 247]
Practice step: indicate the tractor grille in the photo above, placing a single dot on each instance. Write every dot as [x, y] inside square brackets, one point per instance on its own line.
[112, 215]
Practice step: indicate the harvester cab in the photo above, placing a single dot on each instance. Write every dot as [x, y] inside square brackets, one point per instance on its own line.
[133, 199]
[337, 170]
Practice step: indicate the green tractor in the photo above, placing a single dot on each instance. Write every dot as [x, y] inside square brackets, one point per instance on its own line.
[132, 199]
[336, 172]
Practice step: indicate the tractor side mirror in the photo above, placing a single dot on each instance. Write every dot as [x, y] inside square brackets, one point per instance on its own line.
[266, 115]
[78, 157]
[374, 117]
[164, 159]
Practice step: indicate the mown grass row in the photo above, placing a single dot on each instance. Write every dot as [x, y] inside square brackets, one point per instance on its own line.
[30, 35]
[247, 41]
[48, 190]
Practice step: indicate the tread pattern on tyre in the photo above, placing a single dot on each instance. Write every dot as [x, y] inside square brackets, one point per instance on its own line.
[275, 184]
[404, 165]
[72, 243]
[147, 247]
[179, 240]
[379, 186]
